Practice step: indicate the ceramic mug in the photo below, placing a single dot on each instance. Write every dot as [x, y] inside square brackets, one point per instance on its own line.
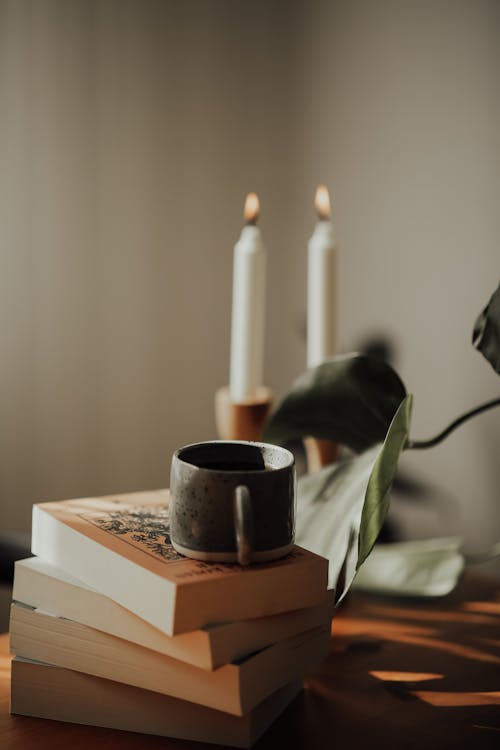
[232, 501]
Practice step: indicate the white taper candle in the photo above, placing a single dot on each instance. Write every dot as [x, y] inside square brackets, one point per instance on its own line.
[321, 278]
[248, 310]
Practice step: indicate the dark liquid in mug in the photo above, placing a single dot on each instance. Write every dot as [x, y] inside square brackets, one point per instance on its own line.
[232, 466]
[222, 456]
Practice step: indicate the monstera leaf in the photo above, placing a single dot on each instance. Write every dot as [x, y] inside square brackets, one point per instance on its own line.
[350, 399]
[486, 334]
[341, 509]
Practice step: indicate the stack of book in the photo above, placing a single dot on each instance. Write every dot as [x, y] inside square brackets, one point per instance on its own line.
[111, 627]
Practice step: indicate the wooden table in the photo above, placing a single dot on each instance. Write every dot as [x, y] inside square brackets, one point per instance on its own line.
[402, 675]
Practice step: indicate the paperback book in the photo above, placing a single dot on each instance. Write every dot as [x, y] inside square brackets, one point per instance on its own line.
[120, 546]
[234, 688]
[53, 693]
[43, 586]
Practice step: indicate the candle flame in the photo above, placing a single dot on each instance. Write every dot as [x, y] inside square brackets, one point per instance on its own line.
[252, 208]
[322, 202]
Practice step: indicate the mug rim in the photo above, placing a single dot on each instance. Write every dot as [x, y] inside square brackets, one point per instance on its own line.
[288, 454]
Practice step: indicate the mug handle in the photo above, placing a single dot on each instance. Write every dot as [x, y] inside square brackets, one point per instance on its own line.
[243, 524]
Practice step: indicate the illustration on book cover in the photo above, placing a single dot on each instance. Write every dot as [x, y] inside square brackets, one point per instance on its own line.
[147, 528]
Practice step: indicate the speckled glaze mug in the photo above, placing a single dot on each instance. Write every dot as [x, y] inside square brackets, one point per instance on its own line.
[232, 501]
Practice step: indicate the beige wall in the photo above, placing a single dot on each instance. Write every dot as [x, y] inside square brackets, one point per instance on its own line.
[404, 121]
[130, 132]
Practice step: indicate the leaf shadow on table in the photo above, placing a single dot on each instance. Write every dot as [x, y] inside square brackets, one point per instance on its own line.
[404, 673]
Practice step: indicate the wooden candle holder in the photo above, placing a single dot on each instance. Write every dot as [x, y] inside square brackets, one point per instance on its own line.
[242, 421]
[319, 453]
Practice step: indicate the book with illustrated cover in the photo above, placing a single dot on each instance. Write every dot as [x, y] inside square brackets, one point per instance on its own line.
[233, 688]
[50, 692]
[43, 586]
[120, 546]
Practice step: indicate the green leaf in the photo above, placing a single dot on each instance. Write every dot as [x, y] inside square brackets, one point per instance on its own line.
[429, 567]
[486, 334]
[341, 509]
[379, 486]
[350, 400]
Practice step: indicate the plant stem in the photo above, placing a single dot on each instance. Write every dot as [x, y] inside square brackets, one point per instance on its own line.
[420, 444]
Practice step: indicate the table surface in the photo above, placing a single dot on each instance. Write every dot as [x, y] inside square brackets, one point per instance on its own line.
[402, 673]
